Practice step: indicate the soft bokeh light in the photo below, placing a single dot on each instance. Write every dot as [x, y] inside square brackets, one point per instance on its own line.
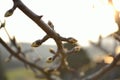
[116, 4]
[82, 19]
[108, 59]
[117, 50]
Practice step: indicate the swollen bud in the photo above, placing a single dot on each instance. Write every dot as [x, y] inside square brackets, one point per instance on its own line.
[72, 40]
[51, 24]
[77, 48]
[36, 43]
[49, 60]
[52, 51]
[9, 13]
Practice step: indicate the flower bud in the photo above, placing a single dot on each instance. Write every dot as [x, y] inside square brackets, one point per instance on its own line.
[9, 13]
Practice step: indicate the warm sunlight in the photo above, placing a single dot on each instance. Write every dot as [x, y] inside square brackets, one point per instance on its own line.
[82, 19]
[116, 4]
[104, 13]
[108, 59]
[117, 50]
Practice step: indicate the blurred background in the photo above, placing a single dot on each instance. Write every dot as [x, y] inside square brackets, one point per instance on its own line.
[91, 22]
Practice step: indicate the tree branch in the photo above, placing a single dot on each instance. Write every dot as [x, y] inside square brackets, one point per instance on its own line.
[24, 60]
[50, 32]
[105, 69]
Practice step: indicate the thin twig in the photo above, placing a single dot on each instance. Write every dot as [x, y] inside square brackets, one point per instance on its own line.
[24, 60]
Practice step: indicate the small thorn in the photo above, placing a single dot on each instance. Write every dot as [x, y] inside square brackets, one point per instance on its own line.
[40, 16]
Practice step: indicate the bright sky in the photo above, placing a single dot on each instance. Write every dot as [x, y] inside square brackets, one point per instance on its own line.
[71, 18]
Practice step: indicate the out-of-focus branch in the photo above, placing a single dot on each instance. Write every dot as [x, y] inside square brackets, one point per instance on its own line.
[117, 15]
[117, 37]
[105, 69]
[22, 59]
[108, 67]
